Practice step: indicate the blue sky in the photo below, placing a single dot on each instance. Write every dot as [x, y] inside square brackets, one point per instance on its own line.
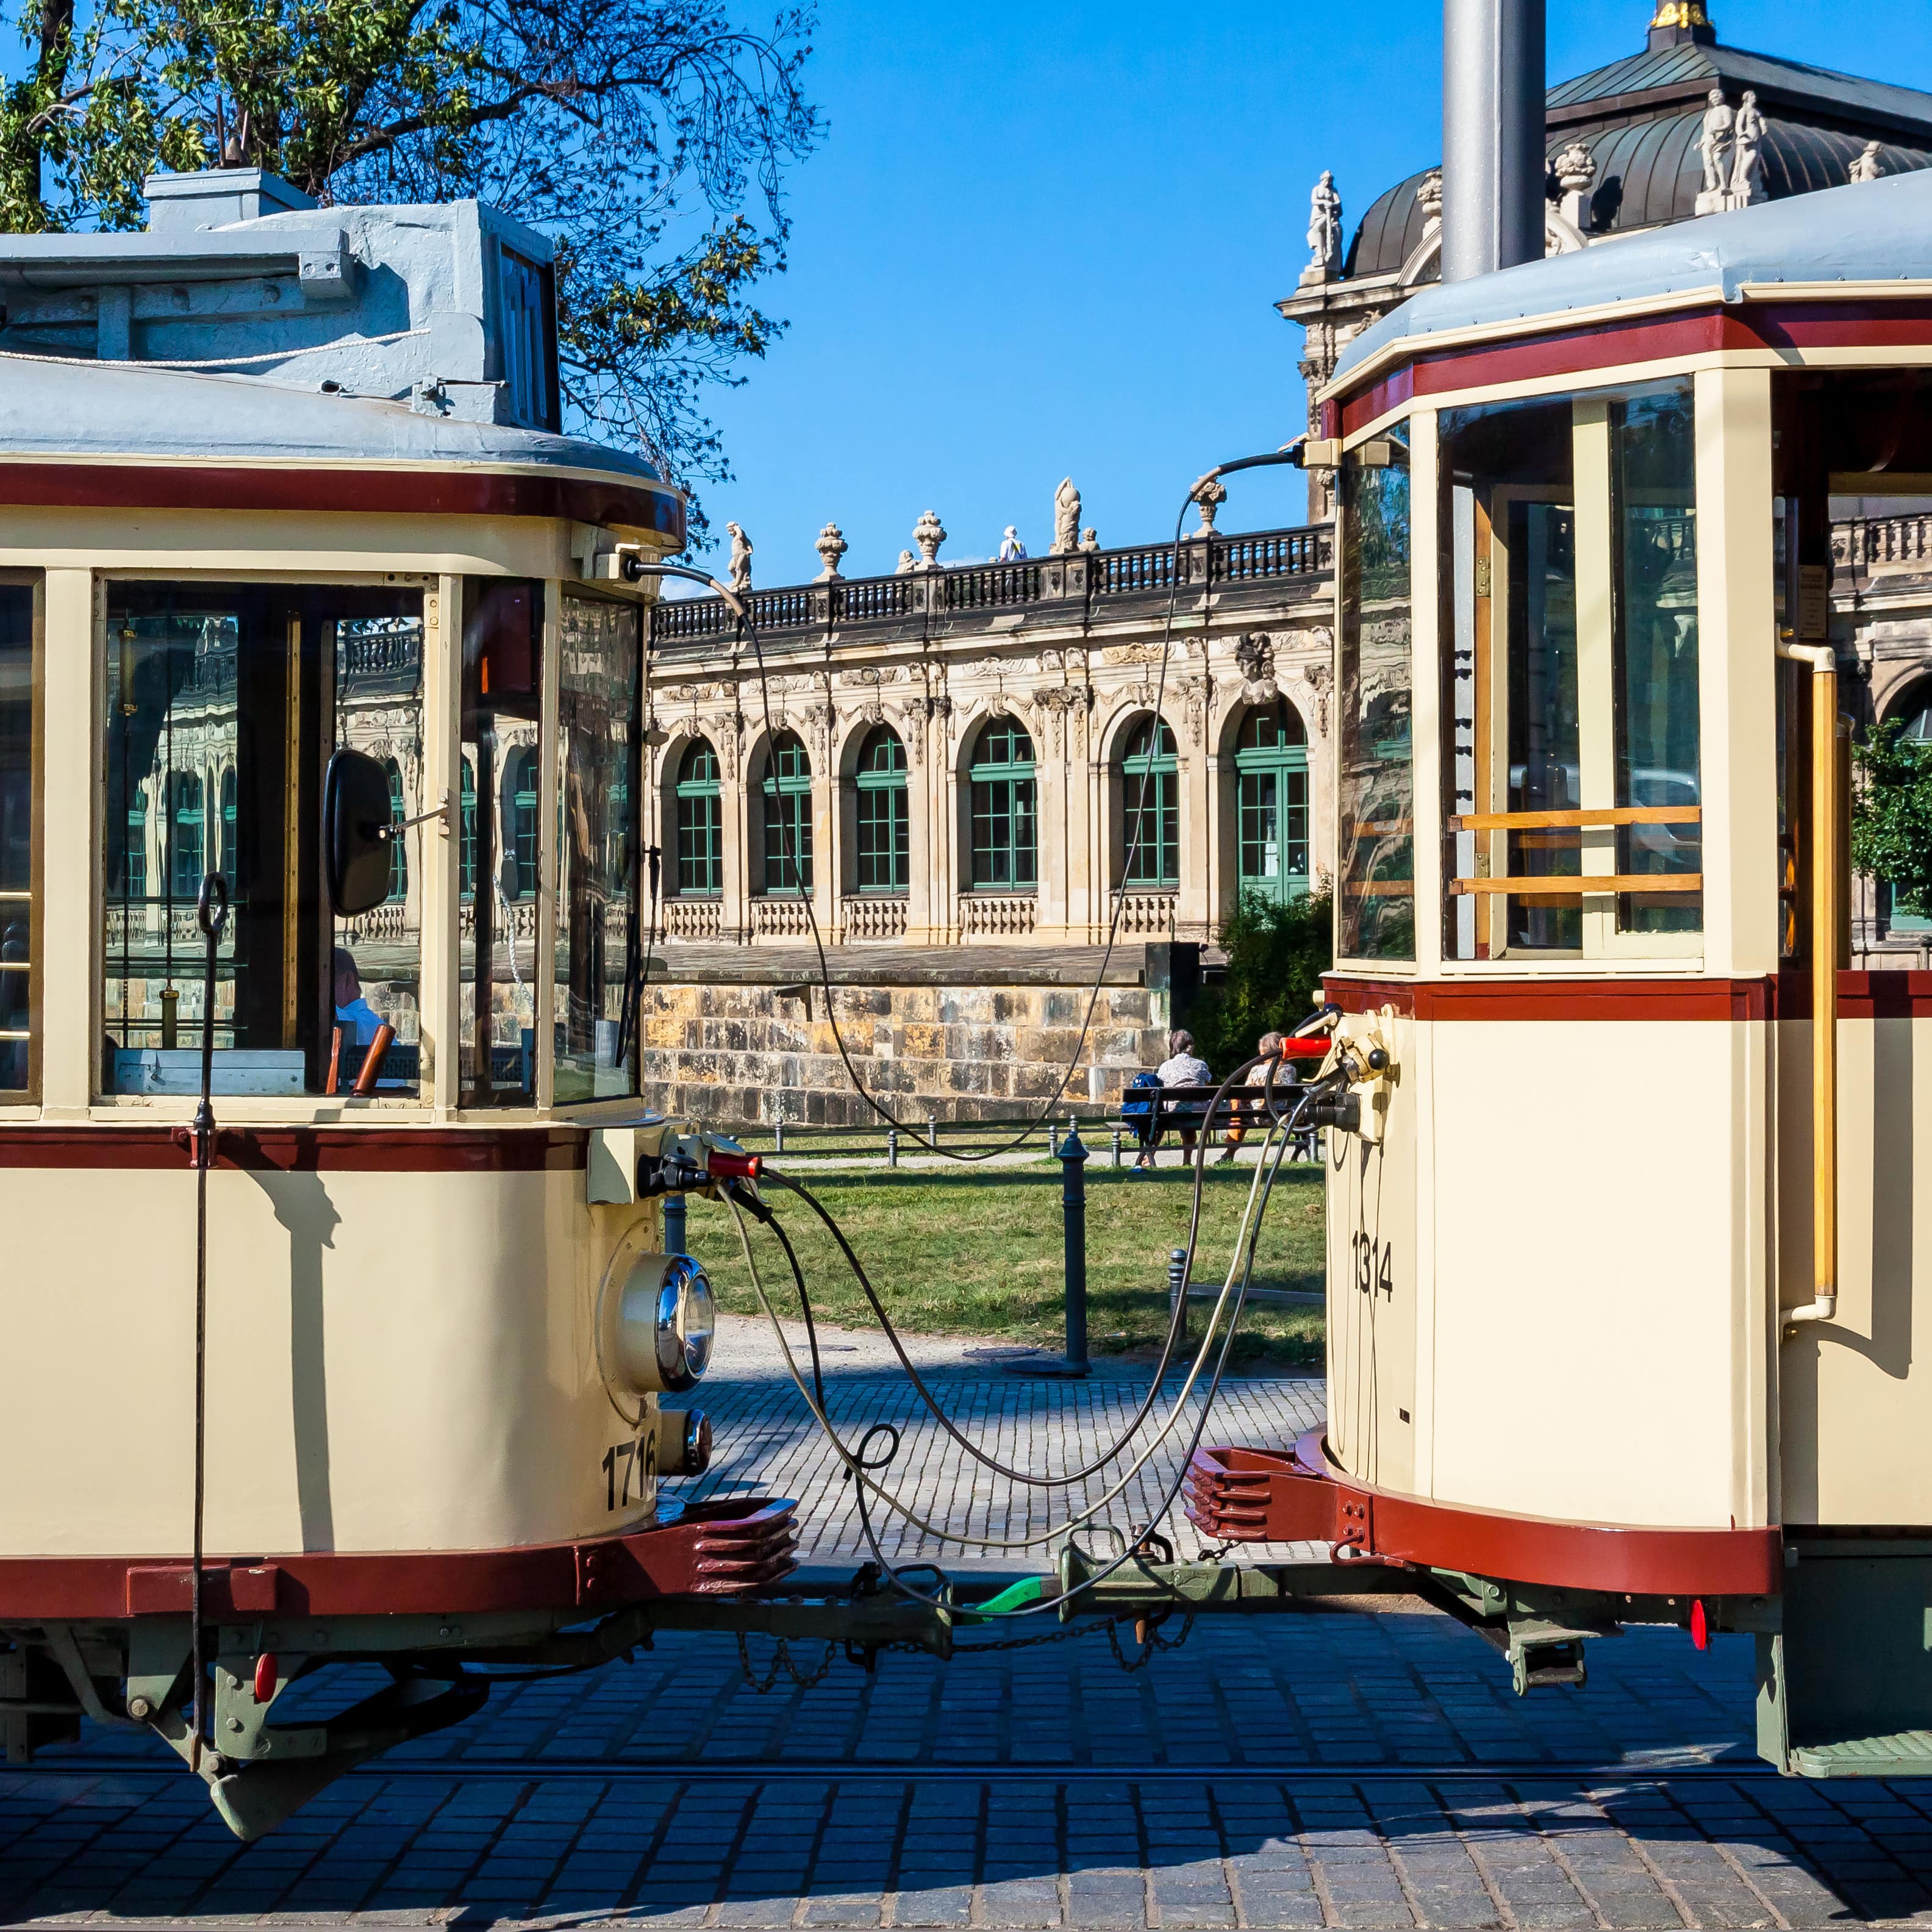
[1039, 242]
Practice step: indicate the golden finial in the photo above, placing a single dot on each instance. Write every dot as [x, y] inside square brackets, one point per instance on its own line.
[1681, 14]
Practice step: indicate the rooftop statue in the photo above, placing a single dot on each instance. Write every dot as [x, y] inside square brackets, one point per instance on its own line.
[831, 546]
[1867, 167]
[1324, 229]
[928, 533]
[1066, 518]
[1714, 144]
[1747, 163]
[741, 559]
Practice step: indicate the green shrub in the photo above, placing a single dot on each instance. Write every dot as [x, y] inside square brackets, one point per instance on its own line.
[1277, 955]
[1891, 816]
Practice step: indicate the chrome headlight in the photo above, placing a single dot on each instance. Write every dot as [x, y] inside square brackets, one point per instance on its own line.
[665, 1324]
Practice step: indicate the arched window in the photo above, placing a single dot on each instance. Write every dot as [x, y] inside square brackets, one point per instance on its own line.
[885, 843]
[1916, 731]
[186, 831]
[1006, 819]
[227, 862]
[1271, 801]
[465, 857]
[523, 791]
[787, 790]
[399, 858]
[701, 820]
[1151, 807]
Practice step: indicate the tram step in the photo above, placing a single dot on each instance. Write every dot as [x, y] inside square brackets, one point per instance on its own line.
[1902, 1754]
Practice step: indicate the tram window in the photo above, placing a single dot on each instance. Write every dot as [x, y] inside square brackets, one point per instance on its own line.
[375, 963]
[599, 928]
[1377, 916]
[223, 703]
[19, 1014]
[1570, 694]
[502, 713]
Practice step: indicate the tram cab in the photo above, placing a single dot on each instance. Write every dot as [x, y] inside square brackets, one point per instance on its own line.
[286, 498]
[1623, 1278]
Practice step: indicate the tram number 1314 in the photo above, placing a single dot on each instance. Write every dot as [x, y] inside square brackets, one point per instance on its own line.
[623, 1461]
[1375, 1264]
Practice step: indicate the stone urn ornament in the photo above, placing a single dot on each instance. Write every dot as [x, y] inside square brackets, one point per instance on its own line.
[1208, 495]
[831, 546]
[928, 533]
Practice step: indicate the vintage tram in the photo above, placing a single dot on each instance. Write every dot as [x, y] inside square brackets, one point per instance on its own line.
[287, 516]
[1623, 1282]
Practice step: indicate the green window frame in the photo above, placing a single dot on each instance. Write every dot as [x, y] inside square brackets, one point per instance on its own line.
[786, 792]
[1271, 802]
[1151, 807]
[399, 859]
[187, 835]
[885, 828]
[1005, 808]
[700, 822]
[465, 860]
[523, 775]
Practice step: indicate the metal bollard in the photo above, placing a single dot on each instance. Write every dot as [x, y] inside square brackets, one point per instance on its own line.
[1072, 1156]
[778, 1134]
[675, 1238]
[932, 1131]
[892, 1146]
[1117, 1147]
[1177, 1286]
[1053, 1140]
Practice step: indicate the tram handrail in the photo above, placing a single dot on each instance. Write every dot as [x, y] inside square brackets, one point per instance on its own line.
[1585, 817]
[1823, 659]
[1570, 885]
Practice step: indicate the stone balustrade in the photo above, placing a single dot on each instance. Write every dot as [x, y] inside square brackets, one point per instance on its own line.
[1864, 544]
[780, 919]
[997, 915]
[872, 918]
[1077, 581]
[694, 919]
[1146, 915]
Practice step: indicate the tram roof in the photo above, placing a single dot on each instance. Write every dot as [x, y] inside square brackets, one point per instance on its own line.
[1871, 232]
[96, 410]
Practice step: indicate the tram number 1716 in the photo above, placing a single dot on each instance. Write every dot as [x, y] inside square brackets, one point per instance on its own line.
[1375, 1264]
[638, 1457]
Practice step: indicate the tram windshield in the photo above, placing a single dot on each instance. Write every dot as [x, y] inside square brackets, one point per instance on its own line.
[223, 702]
[1569, 592]
[18, 911]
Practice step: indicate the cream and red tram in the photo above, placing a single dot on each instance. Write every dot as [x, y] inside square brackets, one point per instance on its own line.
[1623, 1278]
[283, 488]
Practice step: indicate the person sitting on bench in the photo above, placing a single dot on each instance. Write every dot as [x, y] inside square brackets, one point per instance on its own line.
[1181, 1068]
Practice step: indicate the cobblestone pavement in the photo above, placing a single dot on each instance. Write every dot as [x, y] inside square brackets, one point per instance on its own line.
[1306, 1770]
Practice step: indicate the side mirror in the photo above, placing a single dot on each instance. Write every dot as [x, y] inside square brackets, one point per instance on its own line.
[355, 822]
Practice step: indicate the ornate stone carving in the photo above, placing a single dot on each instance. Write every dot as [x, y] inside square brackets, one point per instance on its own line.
[1747, 158]
[831, 546]
[741, 559]
[1429, 199]
[1208, 495]
[1319, 677]
[1576, 171]
[1867, 166]
[1324, 231]
[907, 564]
[1089, 539]
[1058, 703]
[1254, 657]
[1714, 148]
[1066, 518]
[928, 533]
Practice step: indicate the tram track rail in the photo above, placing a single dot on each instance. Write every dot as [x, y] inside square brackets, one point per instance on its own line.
[740, 1770]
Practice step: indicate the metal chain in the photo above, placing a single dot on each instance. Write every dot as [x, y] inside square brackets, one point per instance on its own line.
[1152, 1642]
[782, 1666]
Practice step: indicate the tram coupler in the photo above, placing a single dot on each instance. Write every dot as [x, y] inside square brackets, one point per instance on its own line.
[681, 1156]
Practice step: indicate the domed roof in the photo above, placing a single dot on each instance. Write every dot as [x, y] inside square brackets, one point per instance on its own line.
[1640, 118]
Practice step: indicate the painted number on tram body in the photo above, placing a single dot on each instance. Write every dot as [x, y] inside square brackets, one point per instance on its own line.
[638, 1457]
[1375, 1264]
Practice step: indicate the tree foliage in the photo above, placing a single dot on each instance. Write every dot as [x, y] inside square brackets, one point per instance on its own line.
[1277, 955]
[1891, 815]
[648, 138]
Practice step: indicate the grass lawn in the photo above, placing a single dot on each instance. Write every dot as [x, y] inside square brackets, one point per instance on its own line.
[979, 1253]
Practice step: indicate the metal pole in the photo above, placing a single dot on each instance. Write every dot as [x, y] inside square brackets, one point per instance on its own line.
[1493, 162]
[676, 1239]
[1177, 1286]
[1117, 1147]
[779, 1132]
[932, 1131]
[892, 1146]
[1073, 1204]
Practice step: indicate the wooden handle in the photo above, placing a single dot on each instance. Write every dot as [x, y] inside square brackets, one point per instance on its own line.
[372, 1060]
[335, 1061]
[1607, 815]
[1571, 885]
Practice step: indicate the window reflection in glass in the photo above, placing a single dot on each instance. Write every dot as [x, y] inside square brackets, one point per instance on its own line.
[18, 1017]
[599, 926]
[1653, 498]
[1377, 894]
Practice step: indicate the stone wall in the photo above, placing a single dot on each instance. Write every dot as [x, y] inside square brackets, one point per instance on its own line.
[929, 1037]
